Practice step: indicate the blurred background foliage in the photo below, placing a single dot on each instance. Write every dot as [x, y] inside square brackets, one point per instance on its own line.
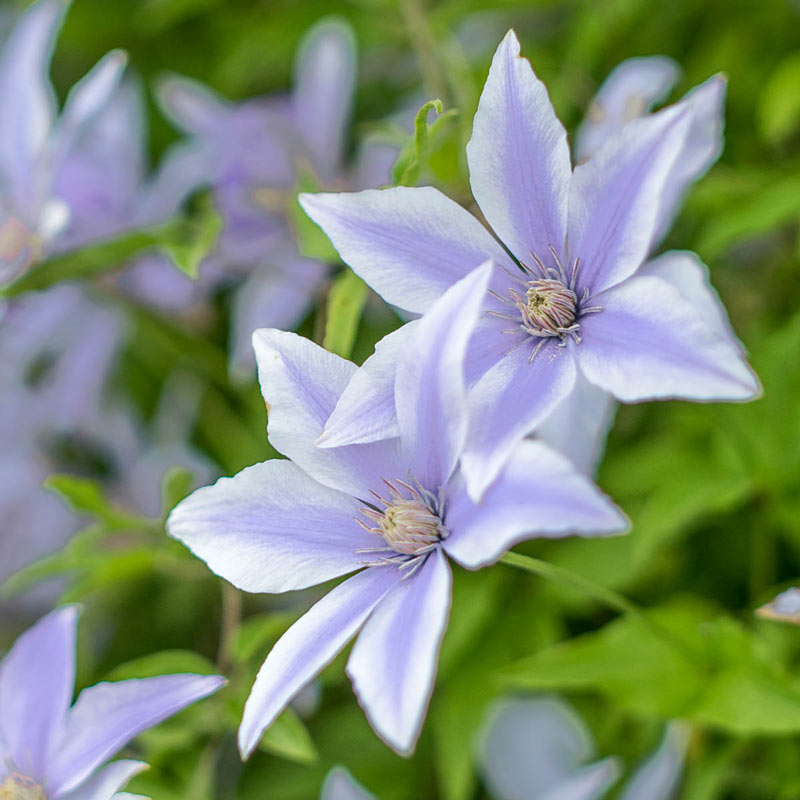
[713, 490]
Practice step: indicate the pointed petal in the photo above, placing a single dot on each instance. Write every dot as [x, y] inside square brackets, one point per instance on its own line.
[702, 147]
[409, 244]
[783, 608]
[579, 425]
[324, 85]
[190, 105]
[538, 494]
[659, 776]
[37, 679]
[519, 158]
[690, 276]
[104, 784]
[89, 96]
[615, 198]
[271, 528]
[507, 403]
[107, 716]
[650, 343]
[309, 646]
[631, 90]
[430, 396]
[301, 384]
[27, 101]
[365, 411]
[341, 785]
[531, 745]
[393, 662]
[589, 783]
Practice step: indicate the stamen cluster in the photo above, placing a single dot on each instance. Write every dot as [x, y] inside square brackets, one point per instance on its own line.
[410, 524]
[20, 787]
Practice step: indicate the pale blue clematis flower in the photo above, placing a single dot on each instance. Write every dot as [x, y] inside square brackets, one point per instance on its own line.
[784, 608]
[393, 510]
[51, 749]
[580, 304]
[540, 749]
[579, 426]
[259, 149]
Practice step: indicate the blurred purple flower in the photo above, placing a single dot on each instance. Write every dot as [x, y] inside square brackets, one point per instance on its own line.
[260, 150]
[584, 302]
[538, 749]
[51, 751]
[784, 608]
[341, 785]
[397, 506]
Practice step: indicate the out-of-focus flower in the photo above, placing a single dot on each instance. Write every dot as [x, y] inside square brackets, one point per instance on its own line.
[540, 749]
[341, 785]
[398, 507]
[261, 149]
[53, 750]
[784, 608]
[578, 300]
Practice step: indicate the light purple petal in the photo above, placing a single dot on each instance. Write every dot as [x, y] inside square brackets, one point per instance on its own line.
[107, 716]
[589, 783]
[104, 784]
[393, 662]
[702, 147]
[615, 198]
[309, 646]
[271, 528]
[27, 102]
[507, 403]
[784, 608]
[519, 158]
[430, 395]
[366, 411]
[89, 96]
[631, 90]
[659, 776]
[649, 343]
[37, 679]
[278, 294]
[301, 384]
[690, 276]
[324, 84]
[191, 105]
[531, 745]
[409, 244]
[579, 425]
[341, 785]
[538, 494]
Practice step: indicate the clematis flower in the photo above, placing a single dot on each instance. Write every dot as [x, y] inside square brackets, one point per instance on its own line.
[51, 751]
[259, 149]
[538, 749]
[341, 785]
[578, 427]
[578, 298]
[392, 511]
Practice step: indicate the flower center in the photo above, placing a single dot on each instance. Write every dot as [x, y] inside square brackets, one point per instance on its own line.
[410, 524]
[547, 302]
[21, 787]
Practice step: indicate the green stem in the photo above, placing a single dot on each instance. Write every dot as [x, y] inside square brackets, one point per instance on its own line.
[424, 44]
[231, 619]
[560, 575]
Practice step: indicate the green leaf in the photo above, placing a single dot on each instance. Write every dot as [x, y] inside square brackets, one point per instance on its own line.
[346, 301]
[408, 167]
[85, 496]
[165, 662]
[190, 241]
[256, 634]
[779, 104]
[289, 738]
[84, 263]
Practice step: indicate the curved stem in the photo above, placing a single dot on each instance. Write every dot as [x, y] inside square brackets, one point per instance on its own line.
[231, 619]
[560, 575]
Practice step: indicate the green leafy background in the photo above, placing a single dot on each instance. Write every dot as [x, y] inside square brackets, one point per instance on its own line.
[713, 491]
